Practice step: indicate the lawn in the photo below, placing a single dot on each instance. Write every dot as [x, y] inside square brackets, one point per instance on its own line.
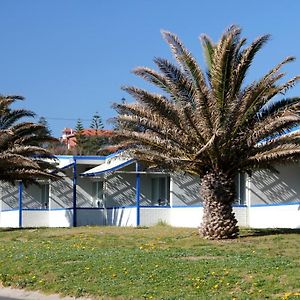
[152, 263]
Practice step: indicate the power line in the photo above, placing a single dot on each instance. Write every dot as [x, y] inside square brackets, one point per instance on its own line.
[66, 119]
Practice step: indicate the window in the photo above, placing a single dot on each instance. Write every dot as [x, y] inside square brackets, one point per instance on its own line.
[240, 186]
[45, 195]
[97, 193]
[160, 190]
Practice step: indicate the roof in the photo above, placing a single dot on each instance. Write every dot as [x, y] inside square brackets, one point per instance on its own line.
[69, 135]
[108, 166]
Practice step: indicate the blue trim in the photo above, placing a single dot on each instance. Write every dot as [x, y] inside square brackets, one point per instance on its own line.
[78, 157]
[109, 170]
[74, 194]
[95, 208]
[67, 166]
[10, 209]
[113, 207]
[102, 208]
[64, 156]
[61, 208]
[35, 209]
[137, 194]
[155, 206]
[114, 154]
[275, 204]
[121, 207]
[186, 206]
[20, 204]
[85, 157]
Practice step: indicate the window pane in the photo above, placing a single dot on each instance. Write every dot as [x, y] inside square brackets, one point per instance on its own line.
[242, 188]
[97, 193]
[45, 195]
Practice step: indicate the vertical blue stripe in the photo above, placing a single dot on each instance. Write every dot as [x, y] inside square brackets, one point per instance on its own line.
[20, 204]
[74, 193]
[137, 195]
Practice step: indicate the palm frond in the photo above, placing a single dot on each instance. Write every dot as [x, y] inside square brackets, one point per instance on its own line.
[20, 157]
[212, 123]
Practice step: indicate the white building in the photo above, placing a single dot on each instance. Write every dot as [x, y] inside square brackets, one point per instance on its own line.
[116, 190]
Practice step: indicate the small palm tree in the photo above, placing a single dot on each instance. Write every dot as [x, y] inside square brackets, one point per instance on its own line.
[20, 156]
[213, 124]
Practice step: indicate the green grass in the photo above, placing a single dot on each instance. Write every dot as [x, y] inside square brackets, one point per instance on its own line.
[152, 263]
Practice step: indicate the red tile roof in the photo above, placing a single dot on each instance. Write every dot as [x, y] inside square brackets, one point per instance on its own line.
[69, 137]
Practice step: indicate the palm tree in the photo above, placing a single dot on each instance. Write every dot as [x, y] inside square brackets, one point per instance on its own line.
[213, 125]
[20, 156]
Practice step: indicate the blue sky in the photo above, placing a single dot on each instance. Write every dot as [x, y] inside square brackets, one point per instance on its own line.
[69, 58]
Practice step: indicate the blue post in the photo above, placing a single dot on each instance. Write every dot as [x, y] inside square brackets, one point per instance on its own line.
[74, 194]
[20, 204]
[137, 194]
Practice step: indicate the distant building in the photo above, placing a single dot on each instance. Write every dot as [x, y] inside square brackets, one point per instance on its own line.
[69, 135]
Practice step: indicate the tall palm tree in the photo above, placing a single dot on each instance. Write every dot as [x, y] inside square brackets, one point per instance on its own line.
[213, 124]
[20, 156]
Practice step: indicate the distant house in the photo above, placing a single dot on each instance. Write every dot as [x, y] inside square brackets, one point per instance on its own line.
[119, 190]
[69, 135]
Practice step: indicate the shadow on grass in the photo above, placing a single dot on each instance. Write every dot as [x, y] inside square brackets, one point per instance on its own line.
[15, 229]
[268, 231]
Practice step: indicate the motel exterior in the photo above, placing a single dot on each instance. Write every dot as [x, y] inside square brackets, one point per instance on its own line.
[118, 190]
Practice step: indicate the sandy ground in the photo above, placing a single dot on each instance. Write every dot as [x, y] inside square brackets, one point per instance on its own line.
[10, 293]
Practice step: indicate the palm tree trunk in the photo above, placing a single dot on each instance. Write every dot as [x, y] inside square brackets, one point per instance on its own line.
[219, 222]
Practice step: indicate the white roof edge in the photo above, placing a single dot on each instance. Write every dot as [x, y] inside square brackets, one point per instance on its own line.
[110, 166]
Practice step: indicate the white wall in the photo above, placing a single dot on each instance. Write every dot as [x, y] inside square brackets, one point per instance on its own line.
[9, 195]
[35, 218]
[31, 197]
[61, 218]
[84, 189]
[90, 217]
[281, 216]
[121, 216]
[120, 190]
[268, 187]
[9, 218]
[61, 193]
[241, 214]
[186, 216]
[152, 215]
[185, 190]
[146, 190]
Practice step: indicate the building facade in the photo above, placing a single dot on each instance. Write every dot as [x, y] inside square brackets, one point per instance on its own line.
[117, 190]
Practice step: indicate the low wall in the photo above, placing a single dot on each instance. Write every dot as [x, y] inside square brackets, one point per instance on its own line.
[61, 217]
[256, 216]
[35, 218]
[186, 216]
[241, 214]
[275, 216]
[120, 216]
[153, 215]
[90, 216]
[9, 218]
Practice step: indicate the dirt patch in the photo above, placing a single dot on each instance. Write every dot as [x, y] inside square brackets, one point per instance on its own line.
[68, 262]
[203, 257]
[12, 293]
